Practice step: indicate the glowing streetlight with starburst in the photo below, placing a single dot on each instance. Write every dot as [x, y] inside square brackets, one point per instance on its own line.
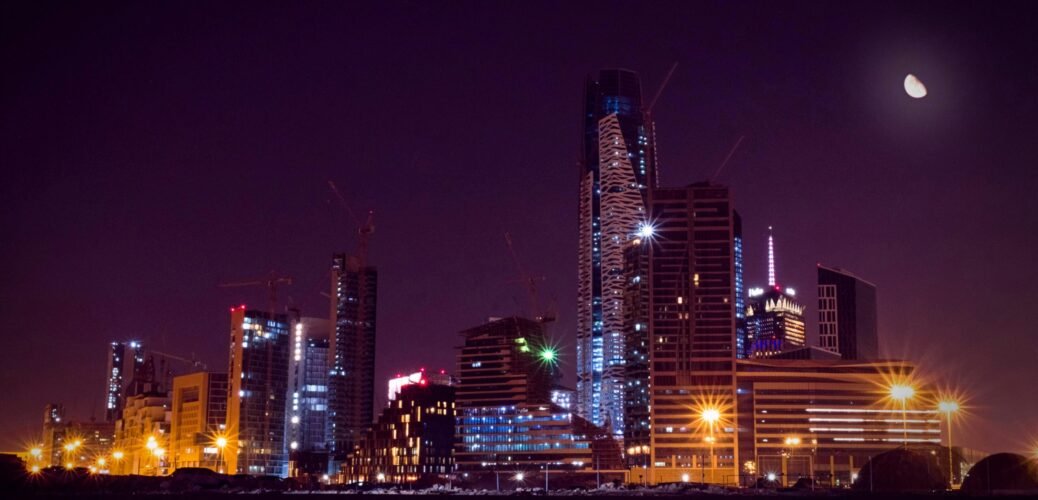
[949, 407]
[902, 392]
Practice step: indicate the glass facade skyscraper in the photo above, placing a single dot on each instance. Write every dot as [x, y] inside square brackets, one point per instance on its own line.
[308, 386]
[257, 388]
[616, 171]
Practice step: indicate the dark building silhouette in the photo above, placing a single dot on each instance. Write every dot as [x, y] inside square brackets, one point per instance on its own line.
[616, 171]
[412, 441]
[847, 317]
[351, 380]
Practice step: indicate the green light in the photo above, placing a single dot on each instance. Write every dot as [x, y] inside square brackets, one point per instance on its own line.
[525, 348]
[548, 355]
[520, 340]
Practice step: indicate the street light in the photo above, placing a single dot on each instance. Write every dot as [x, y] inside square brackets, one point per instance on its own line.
[948, 407]
[902, 393]
[710, 416]
[221, 443]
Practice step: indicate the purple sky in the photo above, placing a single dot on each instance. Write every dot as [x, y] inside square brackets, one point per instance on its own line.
[152, 151]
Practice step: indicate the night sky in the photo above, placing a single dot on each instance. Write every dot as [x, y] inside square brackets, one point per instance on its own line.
[152, 151]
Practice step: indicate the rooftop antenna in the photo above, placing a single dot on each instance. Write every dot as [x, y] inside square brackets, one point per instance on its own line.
[771, 259]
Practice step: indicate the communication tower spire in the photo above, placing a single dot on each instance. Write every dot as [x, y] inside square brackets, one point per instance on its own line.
[771, 259]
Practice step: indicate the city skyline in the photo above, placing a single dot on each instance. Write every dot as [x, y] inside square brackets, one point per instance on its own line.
[852, 173]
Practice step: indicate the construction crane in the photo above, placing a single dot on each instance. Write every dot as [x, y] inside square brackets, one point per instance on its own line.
[531, 284]
[364, 231]
[272, 283]
[194, 361]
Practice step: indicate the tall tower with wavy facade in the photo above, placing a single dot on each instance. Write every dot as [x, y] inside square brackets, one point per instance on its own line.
[617, 169]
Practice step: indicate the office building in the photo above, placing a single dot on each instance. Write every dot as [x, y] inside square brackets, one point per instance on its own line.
[413, 439]
[198, 421]
[505, 415]
[351, 381]
[124, 359]
[257, 390]
[616, 171]
[847, 318]
[774, 319]
[681, 286]
[825, 418]
[308, 385]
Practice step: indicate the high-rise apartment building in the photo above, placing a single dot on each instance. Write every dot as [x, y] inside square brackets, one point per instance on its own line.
[257, 390]
[774, 319]
[199, 416]
[616, 171]
[682, 288]
[847, 318]
[351, 352]
[124, 360]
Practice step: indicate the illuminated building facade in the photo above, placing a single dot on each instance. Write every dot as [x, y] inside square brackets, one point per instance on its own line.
[413, 439]
[774, 319]
[563, 397]
[257, 390]
[124, 360]
[505, 416]
[198, 419]
[397, 383]
[847, 318]
[824, 417]
[351, 380]
[308, 387]
[89, 439]
[774, 323]
[617, 168]
[682, 290]
[145, 419]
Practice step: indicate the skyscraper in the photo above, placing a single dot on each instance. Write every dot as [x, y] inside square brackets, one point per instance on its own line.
[684, 269]
[774, 319]
[351, 380]
[120, 370]
[617, 169]
[256, 402]
[308, 385]
[847, 316]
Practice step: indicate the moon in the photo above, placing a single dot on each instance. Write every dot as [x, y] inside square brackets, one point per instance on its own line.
[914, 87]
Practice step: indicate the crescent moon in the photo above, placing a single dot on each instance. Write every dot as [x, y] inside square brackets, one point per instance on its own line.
[914, 87]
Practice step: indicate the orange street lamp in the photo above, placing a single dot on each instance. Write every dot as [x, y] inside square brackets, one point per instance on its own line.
[948, 407]
[902, 393]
